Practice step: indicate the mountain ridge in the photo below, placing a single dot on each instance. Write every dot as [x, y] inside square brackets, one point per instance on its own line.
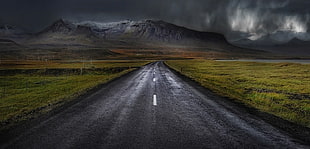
[297, 41]
[143, 33]
[146, 30]
[133, 38]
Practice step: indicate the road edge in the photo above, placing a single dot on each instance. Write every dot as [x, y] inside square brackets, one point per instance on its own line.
[7, 135]
[294, 130]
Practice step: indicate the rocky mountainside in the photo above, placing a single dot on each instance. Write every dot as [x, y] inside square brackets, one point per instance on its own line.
[151, 30]
[137, 38]
[128, 31]
[129, 34]
[144, 36]
[60, 26]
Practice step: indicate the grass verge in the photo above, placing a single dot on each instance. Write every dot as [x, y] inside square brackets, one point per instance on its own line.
[282, 89]
[29, 88]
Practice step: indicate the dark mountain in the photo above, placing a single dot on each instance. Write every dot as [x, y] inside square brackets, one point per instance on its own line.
[60, 26]
[86, 30]
[128, 33]
[62, 34]
[152, 30]
[296, 42]
[160, 30]
[13, 33]
[264, 41]
[127, 36]
[9, 29]
[267, 40]
[243, 41]
[294, 47]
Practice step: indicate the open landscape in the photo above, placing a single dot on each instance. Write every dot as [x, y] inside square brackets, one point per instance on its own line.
[282, 89]
[155, 74]
[32, 88]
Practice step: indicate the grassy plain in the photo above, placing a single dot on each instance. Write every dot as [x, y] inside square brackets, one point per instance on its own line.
[282, 89]
[31, 88]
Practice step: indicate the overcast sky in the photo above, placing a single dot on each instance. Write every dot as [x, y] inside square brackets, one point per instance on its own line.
[234, 18]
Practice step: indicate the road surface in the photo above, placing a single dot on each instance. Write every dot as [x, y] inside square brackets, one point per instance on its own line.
[153, 108]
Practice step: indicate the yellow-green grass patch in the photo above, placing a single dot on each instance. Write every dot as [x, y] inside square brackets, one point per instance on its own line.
[33, 90]
[282, 89]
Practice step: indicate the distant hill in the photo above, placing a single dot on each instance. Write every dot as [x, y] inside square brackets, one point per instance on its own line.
[294, 47]
[7, 43]
[296, 42]
[266, 40]
[13, 33]
[10, 49]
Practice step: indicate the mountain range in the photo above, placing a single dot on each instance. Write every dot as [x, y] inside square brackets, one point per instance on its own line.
[151, 35]
[294, 47]
[146, 32]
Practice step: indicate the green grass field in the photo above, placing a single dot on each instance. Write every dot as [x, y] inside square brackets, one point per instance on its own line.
[31, 88]
[282, 89]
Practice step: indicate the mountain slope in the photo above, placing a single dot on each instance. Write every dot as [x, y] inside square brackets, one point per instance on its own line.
[294, 47]
[62, 34]
[296, 42]
[150, 30]
[13, 33]
[146, 37]
[139, 32]
[266, 40]
[60, 26]
[7, 44]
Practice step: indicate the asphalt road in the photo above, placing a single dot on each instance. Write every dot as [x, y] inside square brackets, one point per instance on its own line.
[153, 108]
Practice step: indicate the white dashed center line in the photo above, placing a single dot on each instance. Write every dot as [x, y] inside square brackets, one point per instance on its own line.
[154, 79]
[154, 100]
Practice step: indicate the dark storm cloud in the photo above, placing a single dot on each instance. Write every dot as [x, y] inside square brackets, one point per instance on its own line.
[253, 18]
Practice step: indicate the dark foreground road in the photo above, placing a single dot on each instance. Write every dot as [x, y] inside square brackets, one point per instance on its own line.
[153, 108]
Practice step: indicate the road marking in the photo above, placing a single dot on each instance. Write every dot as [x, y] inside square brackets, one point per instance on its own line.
[154, 72]
[154, 100]
[154, 79]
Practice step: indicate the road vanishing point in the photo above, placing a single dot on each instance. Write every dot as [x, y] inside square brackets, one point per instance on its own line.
[153, 108]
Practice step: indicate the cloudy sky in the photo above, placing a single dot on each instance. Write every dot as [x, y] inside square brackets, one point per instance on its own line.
[283, 19]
